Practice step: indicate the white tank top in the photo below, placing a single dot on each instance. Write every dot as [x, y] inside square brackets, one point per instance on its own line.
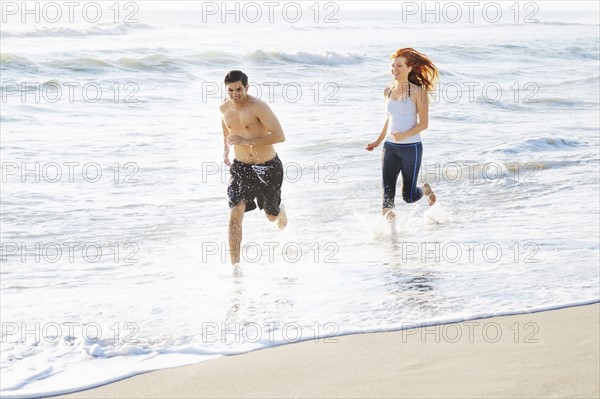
[402, 116]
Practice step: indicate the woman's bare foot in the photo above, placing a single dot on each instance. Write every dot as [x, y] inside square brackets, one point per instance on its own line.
[428, 192]
[389, 214]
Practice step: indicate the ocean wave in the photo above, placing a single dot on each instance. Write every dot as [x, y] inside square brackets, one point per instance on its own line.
[107, 29]
[542, 144]
[586, 50]
[328, 58]
[13, 61]
[158, 59]
[212, 57]
[504, 24]
[587, 80]
[558, 103]
[150, 62]
[568, 103]
[81, 64]
[461, 51]
[589, 51]
[153, 61]
[561, 23]
[494, 170]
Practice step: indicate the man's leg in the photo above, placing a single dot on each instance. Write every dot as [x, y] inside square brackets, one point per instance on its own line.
[270, 197]
[281, 218]
[236, 216]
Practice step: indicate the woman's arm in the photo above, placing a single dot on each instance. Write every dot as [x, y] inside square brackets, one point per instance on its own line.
[376, 143]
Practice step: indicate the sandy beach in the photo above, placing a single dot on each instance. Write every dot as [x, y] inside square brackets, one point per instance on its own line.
[552, 354]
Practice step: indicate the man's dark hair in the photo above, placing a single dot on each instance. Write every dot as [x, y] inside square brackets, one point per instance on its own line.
[236, 76]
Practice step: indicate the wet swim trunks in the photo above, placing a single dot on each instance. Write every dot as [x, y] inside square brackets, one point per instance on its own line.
[261, 181]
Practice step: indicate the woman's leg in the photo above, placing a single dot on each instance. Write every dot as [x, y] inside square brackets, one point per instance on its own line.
[390, 166]
[411, 164]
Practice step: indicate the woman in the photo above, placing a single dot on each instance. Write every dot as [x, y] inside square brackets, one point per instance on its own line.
[407, 104]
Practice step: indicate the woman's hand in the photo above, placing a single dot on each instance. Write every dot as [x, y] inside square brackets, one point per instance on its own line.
[399, 136]
[371, 146]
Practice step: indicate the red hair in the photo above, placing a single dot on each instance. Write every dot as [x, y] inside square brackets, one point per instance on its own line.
[424, 73]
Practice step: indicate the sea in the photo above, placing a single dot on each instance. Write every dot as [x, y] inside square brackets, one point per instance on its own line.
[114, 214]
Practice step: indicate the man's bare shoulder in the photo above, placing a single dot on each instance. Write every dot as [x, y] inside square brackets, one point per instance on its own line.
[259, 105]
[223, 107]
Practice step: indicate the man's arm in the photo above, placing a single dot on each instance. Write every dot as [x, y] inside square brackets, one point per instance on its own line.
[225, 144]
[268, 119]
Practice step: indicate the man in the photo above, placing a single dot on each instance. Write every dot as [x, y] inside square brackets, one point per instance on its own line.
[256, 172]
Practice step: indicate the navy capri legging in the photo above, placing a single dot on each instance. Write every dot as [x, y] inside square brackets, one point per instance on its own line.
[397, 158]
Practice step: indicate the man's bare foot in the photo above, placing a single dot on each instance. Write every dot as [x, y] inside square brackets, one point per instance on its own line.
[281, 219]
[428, 192]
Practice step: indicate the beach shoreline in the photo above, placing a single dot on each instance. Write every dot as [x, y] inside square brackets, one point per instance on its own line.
[553, 353]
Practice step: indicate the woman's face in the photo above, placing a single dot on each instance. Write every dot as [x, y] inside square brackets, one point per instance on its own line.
[400, 70]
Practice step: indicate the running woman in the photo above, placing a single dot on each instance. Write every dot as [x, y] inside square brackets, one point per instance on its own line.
[407, 105]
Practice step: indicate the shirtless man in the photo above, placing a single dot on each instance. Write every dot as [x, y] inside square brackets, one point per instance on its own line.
[256, 172]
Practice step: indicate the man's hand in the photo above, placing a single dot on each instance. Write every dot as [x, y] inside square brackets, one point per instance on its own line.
[234, 139]
[371, 146]
[226, 155]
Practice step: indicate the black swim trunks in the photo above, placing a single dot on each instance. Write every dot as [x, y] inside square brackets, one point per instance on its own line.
[261, 181]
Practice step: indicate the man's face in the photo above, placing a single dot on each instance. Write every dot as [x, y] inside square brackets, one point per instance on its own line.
[237, 91]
